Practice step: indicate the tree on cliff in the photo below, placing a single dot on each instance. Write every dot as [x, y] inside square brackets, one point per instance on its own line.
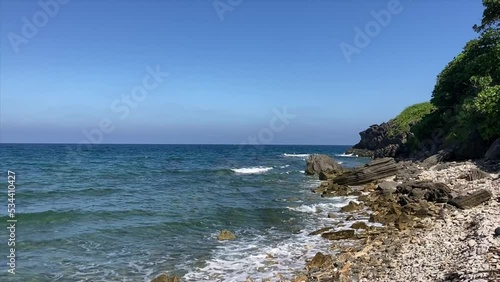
[467, 91]
[491, 15]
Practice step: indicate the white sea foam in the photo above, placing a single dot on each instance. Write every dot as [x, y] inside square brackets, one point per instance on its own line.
[252, 170]
[284, 166]
[296, 155]
[257, 258]
[318, 208]
[347, 155]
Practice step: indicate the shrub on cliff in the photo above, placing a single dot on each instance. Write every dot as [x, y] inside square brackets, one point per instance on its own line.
[408, 117]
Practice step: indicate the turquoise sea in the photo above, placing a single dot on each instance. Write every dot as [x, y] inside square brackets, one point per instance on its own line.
[130, 212]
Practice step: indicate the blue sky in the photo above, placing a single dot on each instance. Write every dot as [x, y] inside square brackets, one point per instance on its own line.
[227, 76]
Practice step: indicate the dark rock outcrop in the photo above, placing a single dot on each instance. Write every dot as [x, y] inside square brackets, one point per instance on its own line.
[375, 170]
[493, 152]
[378, 142]
[317, 164]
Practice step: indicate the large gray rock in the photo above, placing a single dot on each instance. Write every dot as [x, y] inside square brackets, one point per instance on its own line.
[493, 152]
[375, 170]
[322, 163]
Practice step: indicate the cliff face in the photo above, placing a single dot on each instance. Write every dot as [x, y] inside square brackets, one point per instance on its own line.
[378, 141]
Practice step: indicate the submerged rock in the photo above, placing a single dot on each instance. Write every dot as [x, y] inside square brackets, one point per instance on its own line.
[226, 235]
[165, 278]
[322, 163]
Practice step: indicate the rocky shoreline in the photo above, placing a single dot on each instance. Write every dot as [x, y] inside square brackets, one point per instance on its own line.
[413, 221]
[440, 223]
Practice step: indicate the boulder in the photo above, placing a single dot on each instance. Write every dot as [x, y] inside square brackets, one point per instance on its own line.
[472, 200]
[375, 170]
[441, 156]
[226, 235]
[352, 206]
[339, 235]
[424, 190]
[493, 152]
[387, 187]
[165, 278]
[319, 261]
[322, 163]
[475, 174]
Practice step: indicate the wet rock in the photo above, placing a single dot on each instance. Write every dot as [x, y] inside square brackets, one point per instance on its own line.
[333, 190]
[339, 235]
[226, 235]
[359, 225]
[322, 230]
[332, 215]
[497, 232]
[165, 278]
[352, 206]
[322, 163]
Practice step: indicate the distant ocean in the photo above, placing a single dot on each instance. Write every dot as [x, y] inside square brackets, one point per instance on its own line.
[130, 212]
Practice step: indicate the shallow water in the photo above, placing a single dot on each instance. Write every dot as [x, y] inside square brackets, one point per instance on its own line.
[130, 212]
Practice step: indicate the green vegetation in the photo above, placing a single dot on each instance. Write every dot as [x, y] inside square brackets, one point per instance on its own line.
[466, 98]
[410, 116]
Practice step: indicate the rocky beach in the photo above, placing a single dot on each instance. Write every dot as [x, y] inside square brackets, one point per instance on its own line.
[410, 221]
[440, 223]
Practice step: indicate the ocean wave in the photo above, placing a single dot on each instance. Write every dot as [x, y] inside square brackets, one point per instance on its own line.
[319, 208]
[344, 155]
[252, 170]
[258, 258]
[296, 155]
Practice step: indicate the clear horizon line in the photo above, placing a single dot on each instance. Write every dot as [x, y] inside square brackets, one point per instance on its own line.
[228, 144]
